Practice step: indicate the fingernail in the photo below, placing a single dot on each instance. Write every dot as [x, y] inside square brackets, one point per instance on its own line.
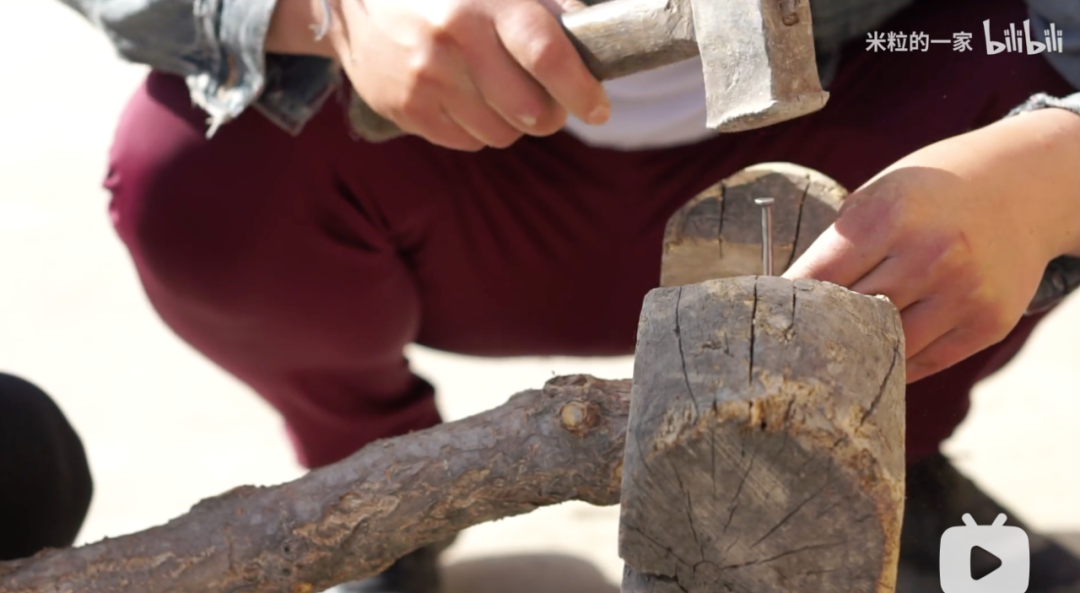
[600, 114]
[528, 120]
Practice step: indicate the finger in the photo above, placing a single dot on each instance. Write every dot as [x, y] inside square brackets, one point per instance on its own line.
[951, 348]
[513, 93]
[925, 322]
[836, 258]
[897, 278]
[440, 75]
[469, 110]
[426, 118]
[536, 40]
[483, 124]
[410, 95]
[430, 121]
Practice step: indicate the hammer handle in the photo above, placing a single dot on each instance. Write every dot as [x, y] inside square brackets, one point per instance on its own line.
[614, 38]
[623, 37]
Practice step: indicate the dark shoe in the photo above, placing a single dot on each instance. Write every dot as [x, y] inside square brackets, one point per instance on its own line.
[938, 496]
[416, 572]
[45, 482]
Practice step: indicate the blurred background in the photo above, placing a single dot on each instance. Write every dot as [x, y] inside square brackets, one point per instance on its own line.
[164, 428]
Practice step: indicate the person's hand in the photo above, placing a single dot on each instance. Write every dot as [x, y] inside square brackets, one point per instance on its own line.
[957, 235]
[466, 74]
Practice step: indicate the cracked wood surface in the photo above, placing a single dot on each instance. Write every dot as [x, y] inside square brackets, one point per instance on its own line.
[765, 451]
[717, 234]
[352, 519]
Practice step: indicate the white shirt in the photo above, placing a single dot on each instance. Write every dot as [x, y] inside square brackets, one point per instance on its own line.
[652, 109]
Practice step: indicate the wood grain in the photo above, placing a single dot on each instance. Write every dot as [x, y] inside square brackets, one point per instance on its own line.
[717, 234]
[765, 451]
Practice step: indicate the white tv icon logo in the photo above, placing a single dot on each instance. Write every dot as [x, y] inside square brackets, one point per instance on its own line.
[1008, 544]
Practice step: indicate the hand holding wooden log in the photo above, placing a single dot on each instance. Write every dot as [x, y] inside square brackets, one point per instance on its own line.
[759, 448]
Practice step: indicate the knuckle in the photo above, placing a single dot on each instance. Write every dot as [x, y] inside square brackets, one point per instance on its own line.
[451, 16]
[948, 254]
[995, 320]
[901, 218]
[959, 247]
[441, 40]
[864, 219]
[883, 211]
[424, 68]
[543, 55]
[965, 279]
[412, 106]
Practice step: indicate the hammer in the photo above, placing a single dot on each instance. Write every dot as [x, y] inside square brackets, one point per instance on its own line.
[765, 440]
[757, 56]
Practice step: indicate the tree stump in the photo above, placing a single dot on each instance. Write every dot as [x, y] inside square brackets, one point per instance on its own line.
[717, 234]
[764, 450]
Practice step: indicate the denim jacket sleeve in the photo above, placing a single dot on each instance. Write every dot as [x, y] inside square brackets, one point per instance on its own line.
[1062, 276]
[217, 46]
[1065, 16]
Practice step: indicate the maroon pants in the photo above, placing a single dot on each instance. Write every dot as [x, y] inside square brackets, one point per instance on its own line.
[304, 265]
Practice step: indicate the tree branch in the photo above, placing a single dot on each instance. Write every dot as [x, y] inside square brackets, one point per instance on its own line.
[352, 519]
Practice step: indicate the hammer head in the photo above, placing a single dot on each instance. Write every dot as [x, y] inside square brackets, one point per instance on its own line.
[759, 62]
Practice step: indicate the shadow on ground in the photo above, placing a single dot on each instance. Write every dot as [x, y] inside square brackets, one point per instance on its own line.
[527, 573]
[1069, 540]
[555, 573]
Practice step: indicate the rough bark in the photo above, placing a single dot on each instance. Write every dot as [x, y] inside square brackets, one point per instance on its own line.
[717, 234]
[351, 520]
[765, 451]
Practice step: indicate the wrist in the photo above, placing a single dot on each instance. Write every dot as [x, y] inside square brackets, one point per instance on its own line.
[1038, 153]
[294, 29]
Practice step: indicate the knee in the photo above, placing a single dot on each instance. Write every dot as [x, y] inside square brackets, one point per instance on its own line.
[175, 194]
[47, 484]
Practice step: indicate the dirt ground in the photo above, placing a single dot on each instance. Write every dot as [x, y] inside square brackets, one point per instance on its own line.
[165, 428]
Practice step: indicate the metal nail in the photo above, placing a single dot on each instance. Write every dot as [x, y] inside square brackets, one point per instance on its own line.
[766, 234]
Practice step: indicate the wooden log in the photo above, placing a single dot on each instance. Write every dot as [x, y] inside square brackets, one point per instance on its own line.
[717, 234]
[351, 520]
[765, 451]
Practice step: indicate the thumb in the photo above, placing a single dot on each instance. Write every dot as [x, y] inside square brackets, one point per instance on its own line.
[831, 258]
